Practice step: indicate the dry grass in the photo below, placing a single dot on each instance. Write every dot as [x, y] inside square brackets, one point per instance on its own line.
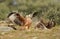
[32, 33]
[53, 33]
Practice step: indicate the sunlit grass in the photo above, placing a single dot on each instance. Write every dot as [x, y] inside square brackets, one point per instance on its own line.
[53, 33]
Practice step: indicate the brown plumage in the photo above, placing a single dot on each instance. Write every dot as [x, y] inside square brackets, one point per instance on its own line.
[15, 18]
[28, 22]
[43, 25]
[51, 24]
[20, 20]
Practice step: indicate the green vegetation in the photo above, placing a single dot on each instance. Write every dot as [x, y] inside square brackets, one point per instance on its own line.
[46, 8]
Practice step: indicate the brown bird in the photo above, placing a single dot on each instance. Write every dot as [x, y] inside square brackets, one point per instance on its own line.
[18, 19]
[14, 18]
[41, 24]
[51, 24]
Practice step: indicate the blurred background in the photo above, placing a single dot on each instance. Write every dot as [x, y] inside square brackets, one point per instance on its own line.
[49, 9]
